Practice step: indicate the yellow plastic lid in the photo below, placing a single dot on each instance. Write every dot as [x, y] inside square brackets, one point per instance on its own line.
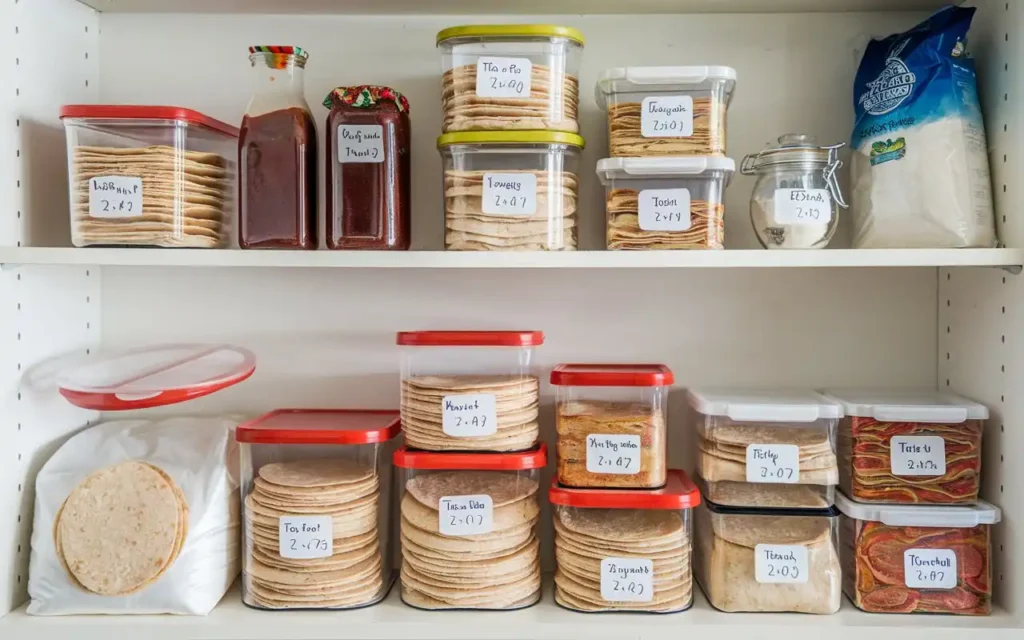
[509, 137]
[510, 30]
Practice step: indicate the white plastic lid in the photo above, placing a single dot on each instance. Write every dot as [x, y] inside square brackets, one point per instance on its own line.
[914, 405]
[627, 79]
[917, 515]
[766, 405]
[685, 166]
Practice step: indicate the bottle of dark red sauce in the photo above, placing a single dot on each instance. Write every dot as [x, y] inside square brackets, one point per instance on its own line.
[368, 169]
[277, 156]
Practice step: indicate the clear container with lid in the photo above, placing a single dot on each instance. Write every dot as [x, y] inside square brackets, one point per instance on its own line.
[611, 421]
[665, 203]
[315, 488]
[666, 111]
[796, 198]
[510, 76]
[766, 448]
[468, 528]
[621, 550]
[510, 190]
[909, 446]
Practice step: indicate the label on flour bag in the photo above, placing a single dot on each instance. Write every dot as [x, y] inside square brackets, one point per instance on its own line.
[666, 117]
[115, 197]
[305, 537]
[803, 206]
[465, 515]
[930, 568]
[360, 143]
[503, 77]
[664, 209]
[627, 580]
[618, 454]
[469, 414]
[780, 563]
[917, 455]
[510, 194]
[773, 463]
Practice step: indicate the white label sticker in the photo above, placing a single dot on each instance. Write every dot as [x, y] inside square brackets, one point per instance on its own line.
[510, 193]
[917, 455]
[627, 580]
[666, 117]
[780, 563]
[930, 568]
[360, 143]
[115, 197]
[774, 463]
[803, 206]
[305, 536]
[613, 454]
[664, 209]
[503, 77]
[465, 515]
[469, 414]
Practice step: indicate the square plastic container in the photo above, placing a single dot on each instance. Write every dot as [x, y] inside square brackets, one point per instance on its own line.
[910, 447]
[468, 528]
[470, 390]
[766, 448]
[917, 559]
[515, 76]
[510, 190]
[665, 203]
[611, 423]
[316, 490]
[666, 111]
[624, 550]
[150, 176]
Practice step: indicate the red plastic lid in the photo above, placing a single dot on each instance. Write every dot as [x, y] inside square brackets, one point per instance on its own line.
[470, 338]
[678, 493]
[155, 376]
[536, 458]
[146, 112]
[321, 426]
[611, 375]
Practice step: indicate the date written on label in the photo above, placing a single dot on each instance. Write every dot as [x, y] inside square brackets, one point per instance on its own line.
[469, 414]
[666, 117]
[360, 143]
[773, 463]
[930, 568]
[780, 563]
[306, 536]
[115, 197]
[618, 454]
[917, 455]
[664, 209]
[803, 206]
[510, 193]
[465, 515]
[627, 580]
[503, 77]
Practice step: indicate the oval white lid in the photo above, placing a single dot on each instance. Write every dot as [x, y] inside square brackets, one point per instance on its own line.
[767, 405]
[907, 405]
[665, 167]
[662, 79]
[920, 515]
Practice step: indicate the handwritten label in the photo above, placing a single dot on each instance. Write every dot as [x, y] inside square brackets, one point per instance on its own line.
[803, 206]
[627, 580]
[666, 117]
[930, 568]
[917, 455]
[465, 515]
[360, 143]
[305, 536]
[115, 197]
[664, 209]
[773, 463]
[780, 563]
[469, 414]
[613, 454]
[503, 77]
[510, 193]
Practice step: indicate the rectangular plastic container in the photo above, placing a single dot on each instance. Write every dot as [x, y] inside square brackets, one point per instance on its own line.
[150, 176]
[917, 559]
[910, 447]
[665, 203]
[510, 190]
[516, 76]
[666, 111]
[619, 550]
[766, 448]
[316, 490]
[611, 421]
[468, 528]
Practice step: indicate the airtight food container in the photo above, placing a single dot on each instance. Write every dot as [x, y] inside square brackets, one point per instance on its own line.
[621, 550]
[510, 77]
[510, 190]
[315, 488]
[665, 203]
[468, 528]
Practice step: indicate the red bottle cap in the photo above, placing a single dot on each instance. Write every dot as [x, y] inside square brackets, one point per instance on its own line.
[470, 338]
[321, 426]
[678, 493]
[612, 375]
[536, 458]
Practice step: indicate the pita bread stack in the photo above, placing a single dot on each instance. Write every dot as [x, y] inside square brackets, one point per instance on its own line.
[625, 137]
[552, 104]
[707, 225]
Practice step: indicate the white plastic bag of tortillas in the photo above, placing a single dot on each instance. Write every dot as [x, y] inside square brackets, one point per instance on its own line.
[137, 517]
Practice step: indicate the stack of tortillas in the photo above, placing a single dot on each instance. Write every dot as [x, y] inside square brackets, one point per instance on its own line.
[706, 230]
[552, 103]
[516, 401]
[499, 569]
[186, 197]
[585, 537]
[352, 573]
[625, 131]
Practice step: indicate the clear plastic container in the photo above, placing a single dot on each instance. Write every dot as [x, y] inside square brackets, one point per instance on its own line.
[149, 176]
[910, 446]
[665, 203]
[510, 190]
[516, 76]
[611, 421]
[468, 528]
[917, 559]
[621, 550]
[316, 490]
[666, 111]
[766, 448]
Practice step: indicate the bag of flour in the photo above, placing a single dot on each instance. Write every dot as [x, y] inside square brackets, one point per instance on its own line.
[920, 166]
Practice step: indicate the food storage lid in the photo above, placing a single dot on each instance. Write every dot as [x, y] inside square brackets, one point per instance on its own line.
[470, 338]
[504, 31]
[678, 493]
[917, 515]
[155, 376]
[830, 512]
[662, 79]
[768, 405]
[536, 458]
[801, 151]
[141, 112]
[611, 375]
[907, 405]
[321, 426]
[620, 168]
[509, 137]
[280, 56]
